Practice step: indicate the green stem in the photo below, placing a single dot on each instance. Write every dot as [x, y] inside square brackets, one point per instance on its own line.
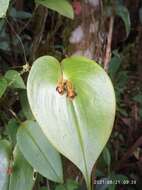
[88, 182]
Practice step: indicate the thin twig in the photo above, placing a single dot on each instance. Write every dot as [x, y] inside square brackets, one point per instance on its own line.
[19, 39]
[14, 115]
[48, 185]
[108, 47]
[40, 18]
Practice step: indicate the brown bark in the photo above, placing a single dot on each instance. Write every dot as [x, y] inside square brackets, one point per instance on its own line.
[88, 38]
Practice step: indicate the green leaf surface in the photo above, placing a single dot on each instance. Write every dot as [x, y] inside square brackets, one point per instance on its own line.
[4, 4]
[63, 7]
[25, 105]
[12, 127]
[3, 86]
[14, 79]
[22, 174]
[39, 152]
[114, 66]
[78, 128]
[19, 14]
[123, 13]
[5, 154]
[106, 156]
[44, 188]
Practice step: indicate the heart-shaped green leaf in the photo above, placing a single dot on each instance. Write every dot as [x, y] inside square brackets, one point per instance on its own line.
[39, 152]
[78, 128]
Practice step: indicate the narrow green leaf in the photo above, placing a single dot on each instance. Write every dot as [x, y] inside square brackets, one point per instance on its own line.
[114, 66]
[12, 127]
[112, 187]
[78, 128]
[22, 173]
[39, 152]
[63, 7]
[25, 105]
[107, 156]
[123, 13]
[5, 154]
[19, 14]
[4, 4]
[14, 79]
[3, 86]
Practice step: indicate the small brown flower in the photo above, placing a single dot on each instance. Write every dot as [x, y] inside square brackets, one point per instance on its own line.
[70, 90]
[61, 86]
[66, 86]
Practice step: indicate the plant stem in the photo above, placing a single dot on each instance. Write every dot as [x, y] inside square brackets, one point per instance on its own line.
[88, 182]
[109, 40]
